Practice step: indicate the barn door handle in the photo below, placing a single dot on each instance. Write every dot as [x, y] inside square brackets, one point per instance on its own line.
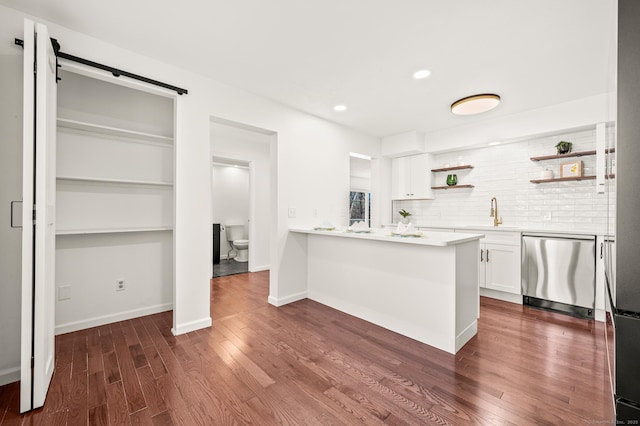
[12, 224]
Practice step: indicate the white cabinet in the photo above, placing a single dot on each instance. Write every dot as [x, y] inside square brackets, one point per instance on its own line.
[411, 177]
[499, 260]
[500, 266]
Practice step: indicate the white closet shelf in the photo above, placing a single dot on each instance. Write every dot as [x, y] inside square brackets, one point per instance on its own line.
[113, 131]
[116, 181]
[111, 230]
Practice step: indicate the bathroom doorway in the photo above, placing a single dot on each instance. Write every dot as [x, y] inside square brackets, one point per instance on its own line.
[241, 200]
[230, 195]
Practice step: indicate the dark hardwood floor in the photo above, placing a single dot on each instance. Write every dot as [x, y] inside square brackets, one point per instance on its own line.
[305, 363]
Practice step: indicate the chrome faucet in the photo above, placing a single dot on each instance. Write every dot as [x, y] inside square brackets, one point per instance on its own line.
[494, 212]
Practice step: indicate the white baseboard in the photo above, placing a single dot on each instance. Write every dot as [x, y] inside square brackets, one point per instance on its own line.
[191, 326]
[260, 268]
[466, 335]
[108, 319]
[286, 300]
[501, 295]
[9, 375]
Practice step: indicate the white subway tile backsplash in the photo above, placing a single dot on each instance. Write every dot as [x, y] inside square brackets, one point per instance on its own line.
[504, 172]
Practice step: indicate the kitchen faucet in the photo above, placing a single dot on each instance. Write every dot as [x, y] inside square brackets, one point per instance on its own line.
[494, 212]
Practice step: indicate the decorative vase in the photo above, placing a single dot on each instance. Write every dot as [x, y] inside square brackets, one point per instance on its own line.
[405, 220]
[452, 180]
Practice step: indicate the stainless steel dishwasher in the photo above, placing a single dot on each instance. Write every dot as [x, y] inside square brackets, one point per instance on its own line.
[558, 273]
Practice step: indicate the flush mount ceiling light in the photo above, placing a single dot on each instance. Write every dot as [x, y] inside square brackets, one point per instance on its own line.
[340, 108]
[475, 104]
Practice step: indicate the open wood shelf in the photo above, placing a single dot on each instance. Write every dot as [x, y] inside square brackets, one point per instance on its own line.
[570, 154]
[446, 169]
[569, 179]
[452, 187]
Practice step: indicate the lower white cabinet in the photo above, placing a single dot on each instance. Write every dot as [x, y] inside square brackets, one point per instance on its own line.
[500, 267]
[499, 260]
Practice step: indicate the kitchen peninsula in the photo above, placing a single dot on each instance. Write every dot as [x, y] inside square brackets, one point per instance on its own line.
[422, 287]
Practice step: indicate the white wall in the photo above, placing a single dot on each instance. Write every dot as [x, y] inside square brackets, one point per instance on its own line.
[10, 239]
[92, 266]
[255, 148]
[504, 171]
[312, 168]
[230, 200]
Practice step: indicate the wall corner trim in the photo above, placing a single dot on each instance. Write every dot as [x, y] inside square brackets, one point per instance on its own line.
[191, 326]
[286, 300]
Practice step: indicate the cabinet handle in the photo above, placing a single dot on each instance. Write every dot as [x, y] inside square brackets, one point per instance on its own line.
[481, 255]
[487, 255]
[601, 248]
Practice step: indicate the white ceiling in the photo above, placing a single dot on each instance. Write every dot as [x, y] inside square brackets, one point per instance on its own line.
[312, 55]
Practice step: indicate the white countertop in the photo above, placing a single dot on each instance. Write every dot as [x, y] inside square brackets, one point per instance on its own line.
[502, 228]
[440, 239]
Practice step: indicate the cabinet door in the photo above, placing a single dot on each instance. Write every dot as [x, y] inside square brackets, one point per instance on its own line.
[481, 267]
[502, 265]
[401, 178]
[421, 176]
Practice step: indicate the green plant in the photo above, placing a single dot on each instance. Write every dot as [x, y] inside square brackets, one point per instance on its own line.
[405, 214]
[563, 147]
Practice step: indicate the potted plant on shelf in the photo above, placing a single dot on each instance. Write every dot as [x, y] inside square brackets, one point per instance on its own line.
[564, 147]
[405, 216]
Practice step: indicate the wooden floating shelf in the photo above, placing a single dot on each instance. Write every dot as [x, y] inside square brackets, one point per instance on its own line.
[446, 169]
[568, 179]
[571, 154]
[452, 187]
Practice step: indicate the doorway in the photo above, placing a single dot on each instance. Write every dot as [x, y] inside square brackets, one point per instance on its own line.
[230, 194]
[241, 153]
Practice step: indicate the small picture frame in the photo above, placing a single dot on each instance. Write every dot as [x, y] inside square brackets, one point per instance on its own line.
[571, 169]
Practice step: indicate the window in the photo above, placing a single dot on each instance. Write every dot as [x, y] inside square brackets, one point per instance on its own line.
[359, 207]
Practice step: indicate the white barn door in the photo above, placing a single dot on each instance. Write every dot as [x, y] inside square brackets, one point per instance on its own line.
[38, 237]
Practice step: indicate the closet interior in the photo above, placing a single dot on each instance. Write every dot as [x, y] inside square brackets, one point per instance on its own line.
[114, 202]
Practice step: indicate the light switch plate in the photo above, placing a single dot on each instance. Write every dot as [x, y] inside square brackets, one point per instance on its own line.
[64, 292]
[292, 212]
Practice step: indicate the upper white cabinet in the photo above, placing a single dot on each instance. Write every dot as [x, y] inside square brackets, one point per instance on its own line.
[411, 177]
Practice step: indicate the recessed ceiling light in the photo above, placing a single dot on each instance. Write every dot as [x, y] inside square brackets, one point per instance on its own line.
[418, 75]
[493, 143]
[475, 104]
[340, 108]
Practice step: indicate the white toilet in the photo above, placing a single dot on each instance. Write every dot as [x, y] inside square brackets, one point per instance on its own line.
[235, 234]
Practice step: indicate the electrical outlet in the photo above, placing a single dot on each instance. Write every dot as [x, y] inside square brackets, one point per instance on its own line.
[292, 212]
[120, 285]
[547, 216]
